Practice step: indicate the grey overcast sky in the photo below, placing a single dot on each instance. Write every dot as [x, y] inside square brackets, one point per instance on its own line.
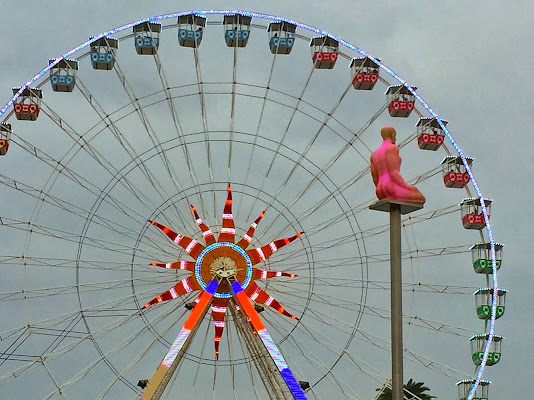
[471, 60]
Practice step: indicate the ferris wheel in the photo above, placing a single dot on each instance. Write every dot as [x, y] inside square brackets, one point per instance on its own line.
[186, 213]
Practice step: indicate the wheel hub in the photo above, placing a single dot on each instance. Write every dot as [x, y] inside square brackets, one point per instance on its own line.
[220, 261]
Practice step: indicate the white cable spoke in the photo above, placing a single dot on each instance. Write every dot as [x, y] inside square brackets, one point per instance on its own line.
[159, 188]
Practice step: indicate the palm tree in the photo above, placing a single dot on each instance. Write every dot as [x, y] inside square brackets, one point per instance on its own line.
[412, 391]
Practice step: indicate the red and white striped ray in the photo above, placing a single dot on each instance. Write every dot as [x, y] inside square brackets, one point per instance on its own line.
[245, 241]
[227, 234]
[257, 294]
[228, 227]
[262, 253]
[190, 245]
[186, 285]
[206, 231]
[186, 265]
[264, 274]
[218, 312]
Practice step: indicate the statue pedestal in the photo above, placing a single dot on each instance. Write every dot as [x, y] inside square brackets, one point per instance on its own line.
[388, 205]
[396, 209]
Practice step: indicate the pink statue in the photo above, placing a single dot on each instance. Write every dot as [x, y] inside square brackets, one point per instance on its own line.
[385, 165]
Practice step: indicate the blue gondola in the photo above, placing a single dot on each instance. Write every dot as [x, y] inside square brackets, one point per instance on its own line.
[190, 30]
[104, 53]
[63, 75]
[236, 30]
[281, 37]
[147, 37]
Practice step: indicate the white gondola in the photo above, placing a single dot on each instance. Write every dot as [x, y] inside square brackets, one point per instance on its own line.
[104, 53]
[63, 75]
[464, 387]
[325, 51]
[481, 255]
[5, 137]
[478, 342]
[454, 172]
[483, 300]
[236, 30]
[365, 73]
[28, 104]
[430, 135]
[147, 37]
[400, 100]
[471, 209]
[190, 30]
[281, 37]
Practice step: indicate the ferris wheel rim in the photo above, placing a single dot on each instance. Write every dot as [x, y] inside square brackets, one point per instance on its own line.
[348, 45]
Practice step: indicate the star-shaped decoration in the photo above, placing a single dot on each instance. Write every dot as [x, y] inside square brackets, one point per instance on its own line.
[224, 261]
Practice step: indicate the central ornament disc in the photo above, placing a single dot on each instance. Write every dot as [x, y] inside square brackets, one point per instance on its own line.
[223, 260]
[223, 267]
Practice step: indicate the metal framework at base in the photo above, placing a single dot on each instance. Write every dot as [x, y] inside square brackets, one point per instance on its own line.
[272, 380]
[157, 384]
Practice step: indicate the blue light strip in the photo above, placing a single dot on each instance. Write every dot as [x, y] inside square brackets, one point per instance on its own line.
[212, 287]
[273, 18]
[236, 287]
